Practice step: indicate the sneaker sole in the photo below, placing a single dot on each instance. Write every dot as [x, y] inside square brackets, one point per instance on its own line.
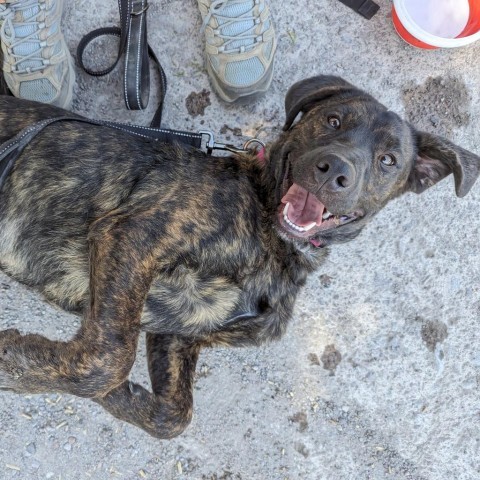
[233, 95]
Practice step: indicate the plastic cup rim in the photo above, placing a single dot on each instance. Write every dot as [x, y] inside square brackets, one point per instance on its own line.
[426, 37]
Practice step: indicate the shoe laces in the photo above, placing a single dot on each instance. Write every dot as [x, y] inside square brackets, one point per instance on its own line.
[216, 11]
[10, 39]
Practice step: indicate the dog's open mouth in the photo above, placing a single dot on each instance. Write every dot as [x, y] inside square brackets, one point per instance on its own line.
[302, 216]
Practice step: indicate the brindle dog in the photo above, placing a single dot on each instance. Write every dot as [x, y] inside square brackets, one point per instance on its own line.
[192, 249]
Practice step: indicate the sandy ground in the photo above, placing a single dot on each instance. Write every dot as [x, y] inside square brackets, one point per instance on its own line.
[378, 376]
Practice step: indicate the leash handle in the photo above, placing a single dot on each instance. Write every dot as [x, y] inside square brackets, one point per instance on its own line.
[134, 45]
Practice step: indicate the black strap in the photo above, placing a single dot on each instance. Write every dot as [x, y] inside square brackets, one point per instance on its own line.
[11, 149]
[163, 135]
[366, 8]
[134, 45]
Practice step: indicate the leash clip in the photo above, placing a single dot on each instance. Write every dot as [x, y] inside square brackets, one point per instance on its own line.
[212, 145]
[246, 145]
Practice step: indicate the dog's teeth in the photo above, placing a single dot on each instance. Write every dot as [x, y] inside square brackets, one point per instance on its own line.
[293, 225]
[285, 217]
[326, 215]
[296, 227]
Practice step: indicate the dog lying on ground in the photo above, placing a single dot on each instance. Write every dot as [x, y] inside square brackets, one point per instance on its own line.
[194, 250]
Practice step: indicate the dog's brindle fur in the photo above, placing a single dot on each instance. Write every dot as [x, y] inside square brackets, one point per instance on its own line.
[139, 236]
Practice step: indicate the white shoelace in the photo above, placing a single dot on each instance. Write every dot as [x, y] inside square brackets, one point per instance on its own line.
[216, 9]
[7, 13]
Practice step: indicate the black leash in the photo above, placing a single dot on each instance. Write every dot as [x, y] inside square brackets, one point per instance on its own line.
[11, 149]
[134, 45]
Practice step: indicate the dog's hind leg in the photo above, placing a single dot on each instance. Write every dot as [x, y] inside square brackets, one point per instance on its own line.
[167, 411]
[99, 358]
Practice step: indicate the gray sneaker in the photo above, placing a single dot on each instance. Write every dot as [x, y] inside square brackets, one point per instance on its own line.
[36, 62]
[240, 45]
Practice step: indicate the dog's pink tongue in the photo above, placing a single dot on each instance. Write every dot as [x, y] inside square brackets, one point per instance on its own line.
[304, 208]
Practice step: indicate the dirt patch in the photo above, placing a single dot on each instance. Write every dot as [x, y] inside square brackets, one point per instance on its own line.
[325, 280]
[203, 371]
[302, 449]
[314, 360]
[197, 102]
[331, 358]
[433, 332]
[439, 106]
[226, 475]
[235, 130]
[301, 419]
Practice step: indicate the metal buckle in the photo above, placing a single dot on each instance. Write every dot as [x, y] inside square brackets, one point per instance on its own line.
[212, 145]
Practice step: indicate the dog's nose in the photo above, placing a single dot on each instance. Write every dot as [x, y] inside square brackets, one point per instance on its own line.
[335, 174]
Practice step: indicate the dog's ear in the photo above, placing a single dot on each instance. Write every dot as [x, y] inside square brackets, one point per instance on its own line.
[304, 95]
[438, 157]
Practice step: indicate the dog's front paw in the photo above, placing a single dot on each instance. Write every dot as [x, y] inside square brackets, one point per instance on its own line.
[11, 370]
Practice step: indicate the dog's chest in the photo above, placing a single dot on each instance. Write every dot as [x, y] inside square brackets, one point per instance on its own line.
[190, 302]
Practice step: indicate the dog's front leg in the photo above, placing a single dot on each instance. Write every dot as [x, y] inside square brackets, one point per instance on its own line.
[100, 356]
[167, 411]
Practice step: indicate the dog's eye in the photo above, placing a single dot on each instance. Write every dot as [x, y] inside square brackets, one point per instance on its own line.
[334, 122]
[388, 160]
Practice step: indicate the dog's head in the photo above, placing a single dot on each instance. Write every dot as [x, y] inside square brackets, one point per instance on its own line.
[346, 157]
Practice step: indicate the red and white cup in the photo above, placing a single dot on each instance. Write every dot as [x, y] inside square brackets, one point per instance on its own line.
[431, 24]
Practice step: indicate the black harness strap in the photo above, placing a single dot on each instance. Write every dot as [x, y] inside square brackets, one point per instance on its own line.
[134, 45]
[366, 8]
[11, 149]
